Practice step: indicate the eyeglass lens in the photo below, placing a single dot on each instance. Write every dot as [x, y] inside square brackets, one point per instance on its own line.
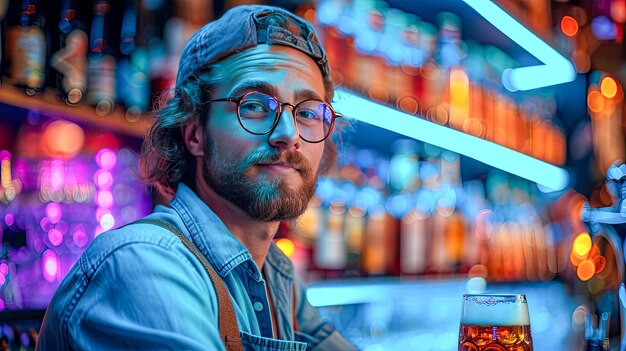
[258, 112]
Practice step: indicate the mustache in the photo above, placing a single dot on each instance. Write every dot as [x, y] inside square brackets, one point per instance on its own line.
[291, 158]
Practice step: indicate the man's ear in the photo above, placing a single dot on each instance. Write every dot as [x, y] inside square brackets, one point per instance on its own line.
[193, 137]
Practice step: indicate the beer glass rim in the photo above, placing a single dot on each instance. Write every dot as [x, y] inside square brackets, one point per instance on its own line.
[499, 297]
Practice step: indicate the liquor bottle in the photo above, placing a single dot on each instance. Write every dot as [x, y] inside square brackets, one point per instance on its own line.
[133, 66]
[414, 241]
[369, 67]
[392, 48]
[354, 234]
[71, 60]
[27, 47]
[330, 246]
[102, 63]
[4, 7]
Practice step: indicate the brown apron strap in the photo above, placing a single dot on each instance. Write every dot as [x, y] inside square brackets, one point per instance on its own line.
[293, 303]
[227, 320]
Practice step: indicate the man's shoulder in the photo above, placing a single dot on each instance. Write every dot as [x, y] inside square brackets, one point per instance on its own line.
[137, 236]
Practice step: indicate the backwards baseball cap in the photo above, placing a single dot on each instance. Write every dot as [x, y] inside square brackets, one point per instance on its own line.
[244, 27]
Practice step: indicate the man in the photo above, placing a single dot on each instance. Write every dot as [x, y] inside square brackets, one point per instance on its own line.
[239, 145]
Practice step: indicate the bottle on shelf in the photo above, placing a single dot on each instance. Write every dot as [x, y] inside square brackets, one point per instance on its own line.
[133, 66]
[102, 63]
[27, 48]
[71, 59]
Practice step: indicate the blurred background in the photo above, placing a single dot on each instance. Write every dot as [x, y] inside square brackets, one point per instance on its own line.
[477, 131]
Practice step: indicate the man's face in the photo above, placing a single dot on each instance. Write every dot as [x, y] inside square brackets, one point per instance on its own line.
[271, 177]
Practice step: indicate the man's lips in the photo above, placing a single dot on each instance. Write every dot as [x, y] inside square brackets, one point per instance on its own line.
[279, 165]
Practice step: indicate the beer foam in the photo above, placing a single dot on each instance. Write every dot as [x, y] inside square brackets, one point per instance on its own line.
[500, 311]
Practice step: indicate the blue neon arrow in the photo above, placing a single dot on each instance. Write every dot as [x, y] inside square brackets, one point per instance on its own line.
[556, 69]
[495, 155]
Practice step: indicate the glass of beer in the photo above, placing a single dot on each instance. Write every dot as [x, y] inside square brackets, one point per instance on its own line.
[491, 322]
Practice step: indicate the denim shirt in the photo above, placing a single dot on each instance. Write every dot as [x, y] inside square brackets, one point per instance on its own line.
[139, 287]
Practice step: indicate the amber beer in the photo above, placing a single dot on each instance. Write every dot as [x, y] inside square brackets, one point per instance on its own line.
[495, 323]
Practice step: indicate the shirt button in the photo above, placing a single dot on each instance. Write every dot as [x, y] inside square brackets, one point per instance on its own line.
[258, 306]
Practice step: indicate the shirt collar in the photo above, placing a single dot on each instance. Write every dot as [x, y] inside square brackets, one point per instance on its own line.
[206, 230]
[279, 261]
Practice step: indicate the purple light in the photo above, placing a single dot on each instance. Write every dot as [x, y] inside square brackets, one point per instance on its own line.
[106, 159]
[54, 212]
[1, 305]
[98, 231]
[57, 176]
[104, 199]
[46, 224]
[4, 269]
[107, 221]
[9, 219]
[5, 155]
[3, 279]
[50, 265]
[39, 245]
[55, 236]
[80, 238]
[103, 179]
[603, 28]
[101, 212]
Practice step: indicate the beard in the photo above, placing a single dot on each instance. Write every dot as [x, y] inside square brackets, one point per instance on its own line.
[263, 198]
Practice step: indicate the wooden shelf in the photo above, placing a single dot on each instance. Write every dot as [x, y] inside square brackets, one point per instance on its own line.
[49, 104]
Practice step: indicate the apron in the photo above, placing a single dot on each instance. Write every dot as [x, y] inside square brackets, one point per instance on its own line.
[232, 337]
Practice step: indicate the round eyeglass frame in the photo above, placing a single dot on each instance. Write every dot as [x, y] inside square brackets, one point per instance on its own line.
[238, 100]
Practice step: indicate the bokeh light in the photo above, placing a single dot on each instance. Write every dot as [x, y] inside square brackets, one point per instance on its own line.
[586, 270]
[603, 28]
[54, 212]
[286, 246]
[106, 159]
[104, 199]
[50, 265]
[608, 87]
[80, 238]
[103, 179]
[569, 26]
[582, 245]
[4, 268]
[55, 236]
[9, 219]
[63, 138]
[599, 262]
[618, 10]
[595, 101]
[107, 221]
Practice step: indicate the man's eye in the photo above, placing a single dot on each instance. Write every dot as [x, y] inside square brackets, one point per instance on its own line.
[253, 107]
[307, 114]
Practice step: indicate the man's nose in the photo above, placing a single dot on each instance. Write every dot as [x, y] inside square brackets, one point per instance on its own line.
[285, 134]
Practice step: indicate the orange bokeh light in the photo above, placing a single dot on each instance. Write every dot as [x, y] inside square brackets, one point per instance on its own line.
[286, 246]
[582, 245]
[586, 270]
[569, 26]
[574, 259]
[595, 101]
[608, 87]
[599, 262]
[62, 138]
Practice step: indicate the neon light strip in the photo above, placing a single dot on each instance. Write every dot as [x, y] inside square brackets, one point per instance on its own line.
[556, 68]
[508, 160]
[378, 291]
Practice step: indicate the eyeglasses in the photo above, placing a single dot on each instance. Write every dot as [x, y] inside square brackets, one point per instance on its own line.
[258, 113]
